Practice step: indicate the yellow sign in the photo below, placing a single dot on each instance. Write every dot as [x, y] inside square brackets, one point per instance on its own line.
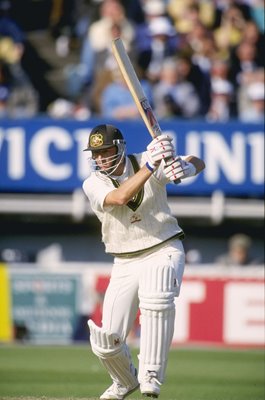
[5, 306]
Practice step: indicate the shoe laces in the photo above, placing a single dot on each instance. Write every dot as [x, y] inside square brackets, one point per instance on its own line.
[151, 376]
[116, 387]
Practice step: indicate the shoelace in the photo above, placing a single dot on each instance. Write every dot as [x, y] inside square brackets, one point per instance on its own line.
[152, 376]
[117, 388]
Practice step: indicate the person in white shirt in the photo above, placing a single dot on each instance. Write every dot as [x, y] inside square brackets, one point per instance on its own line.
[128, 195]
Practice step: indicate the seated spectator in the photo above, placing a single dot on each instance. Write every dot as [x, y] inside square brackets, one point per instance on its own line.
[230, 31]
[239, 252]
[116, 99]
[222, 6]
[96, 47]
[173, 95]
[255, 110]
[199, 79]
[63, 109]
[19, 99]
[10, 29]
[11, 41]
[153, 11]
[185, 14]
[23, 101]
[243, 59]
[254, 37]
[100, 32]
[203, 47]
[163, 43]
[220, 69]
[80, 75]
[221, 101]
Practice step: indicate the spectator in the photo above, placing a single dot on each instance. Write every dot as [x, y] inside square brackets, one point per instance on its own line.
[162, 44]
[9, 28]
[221, 104]
[203, 47]
[62, 25]
[222, 6]
[11, 41]
[192, 73]
[185, 14]
[79, 76]
[173, 95]
[255, 38]
[62, 109]
[198, 32]
[143, 38]
[116, 99]
[19, 98]
[243, 59]
[239, 252]
[230, 31]
[255, 110]
[220, 69]
[102, 31]
[23, 101]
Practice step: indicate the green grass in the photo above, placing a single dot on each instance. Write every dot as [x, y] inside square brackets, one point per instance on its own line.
[49, 372]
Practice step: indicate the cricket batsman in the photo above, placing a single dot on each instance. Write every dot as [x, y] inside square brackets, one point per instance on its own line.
[128, 195]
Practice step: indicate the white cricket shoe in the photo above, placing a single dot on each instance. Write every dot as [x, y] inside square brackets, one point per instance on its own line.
[150, 386]
[118, 392]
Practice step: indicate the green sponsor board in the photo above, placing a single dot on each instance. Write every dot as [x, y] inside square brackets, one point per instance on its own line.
[45, 305]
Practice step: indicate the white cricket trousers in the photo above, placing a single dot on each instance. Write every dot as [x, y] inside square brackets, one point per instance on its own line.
[121, 301]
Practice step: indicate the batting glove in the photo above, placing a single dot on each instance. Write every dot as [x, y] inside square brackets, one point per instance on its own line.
[161, 148]
[179, 169]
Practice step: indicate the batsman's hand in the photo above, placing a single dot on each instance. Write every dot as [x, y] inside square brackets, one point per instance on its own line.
[161, 148]
[179, 169]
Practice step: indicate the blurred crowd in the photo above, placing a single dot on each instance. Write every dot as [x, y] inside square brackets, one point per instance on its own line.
[195, 59]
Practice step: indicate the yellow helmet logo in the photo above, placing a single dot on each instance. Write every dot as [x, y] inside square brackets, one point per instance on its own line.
[96, 140]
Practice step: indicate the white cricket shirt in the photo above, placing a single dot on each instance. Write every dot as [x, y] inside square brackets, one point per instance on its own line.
[143, 223]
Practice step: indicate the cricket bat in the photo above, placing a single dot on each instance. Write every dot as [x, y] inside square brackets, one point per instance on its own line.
[136, 89]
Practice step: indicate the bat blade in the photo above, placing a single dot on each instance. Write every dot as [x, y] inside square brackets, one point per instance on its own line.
[136, 90]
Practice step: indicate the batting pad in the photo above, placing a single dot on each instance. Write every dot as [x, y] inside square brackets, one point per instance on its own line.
[114, 355]
[157, 320]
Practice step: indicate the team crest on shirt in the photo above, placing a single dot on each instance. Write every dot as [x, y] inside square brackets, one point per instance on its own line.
[135, 218]
[96, 140]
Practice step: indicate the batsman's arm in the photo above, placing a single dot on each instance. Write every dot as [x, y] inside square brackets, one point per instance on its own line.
[197, 162]
[128, 189]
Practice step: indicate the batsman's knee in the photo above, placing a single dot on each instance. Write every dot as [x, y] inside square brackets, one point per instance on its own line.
[104, 344]
[114, 355]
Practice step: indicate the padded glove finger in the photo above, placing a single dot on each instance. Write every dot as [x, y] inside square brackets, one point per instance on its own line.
[160, 148]
[179, 169]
